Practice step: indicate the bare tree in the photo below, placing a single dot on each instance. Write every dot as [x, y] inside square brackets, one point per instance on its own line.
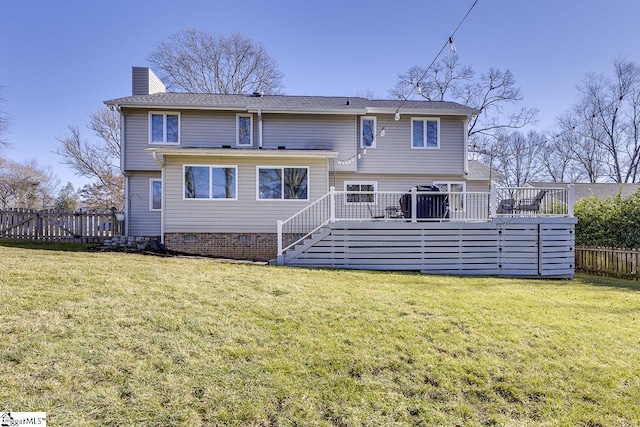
[604, 125]
[4, 119]
[494, 93]
[517, 156]
[196, 61]
[26, 185]
[99, 159]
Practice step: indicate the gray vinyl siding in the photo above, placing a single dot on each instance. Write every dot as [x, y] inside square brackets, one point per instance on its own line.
[393, 152]
[245, 215]
[142, 221]
[136, 140]
[404, 182]
[314, 132]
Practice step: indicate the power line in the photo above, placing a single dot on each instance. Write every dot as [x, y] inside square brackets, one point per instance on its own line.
[449, 42]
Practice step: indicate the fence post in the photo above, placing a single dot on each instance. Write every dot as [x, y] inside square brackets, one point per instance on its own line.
[414, 204]
[493, 200]
[571, 199]
[332, 204]
[279, 223]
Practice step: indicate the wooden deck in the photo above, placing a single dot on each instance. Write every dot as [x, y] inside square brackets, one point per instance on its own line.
[539, 247]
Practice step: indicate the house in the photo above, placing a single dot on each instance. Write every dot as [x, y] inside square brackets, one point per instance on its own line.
[247, 176]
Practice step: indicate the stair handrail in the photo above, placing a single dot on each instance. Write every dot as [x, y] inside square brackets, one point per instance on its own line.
[281, 223]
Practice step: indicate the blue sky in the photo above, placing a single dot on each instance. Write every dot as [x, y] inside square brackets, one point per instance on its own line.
[59, 60]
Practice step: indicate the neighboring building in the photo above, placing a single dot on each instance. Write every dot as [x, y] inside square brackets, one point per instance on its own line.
[213, 173]
[602, 191]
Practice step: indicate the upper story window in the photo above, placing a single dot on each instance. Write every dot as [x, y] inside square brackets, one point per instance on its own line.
[244, 130]
[367, 132]
[164, 128]
[276, 183]
[210, 182]
[425, 133]
[155, 194]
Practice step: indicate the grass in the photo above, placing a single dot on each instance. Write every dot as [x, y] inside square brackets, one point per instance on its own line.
[122, 339]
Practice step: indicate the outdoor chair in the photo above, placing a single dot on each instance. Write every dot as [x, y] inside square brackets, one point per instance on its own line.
[375, 215]
[531, 205]
[506, 206]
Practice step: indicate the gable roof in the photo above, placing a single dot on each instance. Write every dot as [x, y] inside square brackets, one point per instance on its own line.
[290, 104]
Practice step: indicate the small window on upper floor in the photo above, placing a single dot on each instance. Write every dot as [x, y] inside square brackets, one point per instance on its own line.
[244, 130]
[425, 133]
[367, 132]
[164, 128]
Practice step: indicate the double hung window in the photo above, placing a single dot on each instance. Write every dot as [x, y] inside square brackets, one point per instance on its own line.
[210, 182]
[244, 130]
[164, 128]
[456, 192]
[425, 133]
[360, 192]
[155, 194]
[367, 132]
[283, 183]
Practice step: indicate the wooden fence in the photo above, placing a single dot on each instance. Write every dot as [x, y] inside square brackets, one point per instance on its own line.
[612, 262]
[59, 226]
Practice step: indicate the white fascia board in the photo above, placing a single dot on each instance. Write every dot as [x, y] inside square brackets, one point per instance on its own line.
[419, 111]
[183, 107]
[290, 111]
[226, 152]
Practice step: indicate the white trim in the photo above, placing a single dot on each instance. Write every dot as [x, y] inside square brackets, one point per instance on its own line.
[164, 115]
[375, 131]
[250, 116]
[424, 136]
[151, 181]
[211, 168]
[361, 183]
[230, 152]
[282, 199]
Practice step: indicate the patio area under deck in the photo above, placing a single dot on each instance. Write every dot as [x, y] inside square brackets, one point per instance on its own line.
[392, 231]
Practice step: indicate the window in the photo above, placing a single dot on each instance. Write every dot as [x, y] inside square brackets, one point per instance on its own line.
[244, 130]
[155, 194]
[164, 128]
[210, 182]
[283, 183]
[457, 199]
[363, 186]
[368, 132]
[425, 133]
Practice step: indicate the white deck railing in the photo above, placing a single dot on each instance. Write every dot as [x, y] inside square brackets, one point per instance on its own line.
[421, 206]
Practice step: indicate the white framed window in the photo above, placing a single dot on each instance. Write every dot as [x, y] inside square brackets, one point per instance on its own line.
[355, 191]
[164, 127]
[217, 182]
[425, 133]
[155, 194]
[282, 183]
[368, 132]
[456, 190]
[244, 130]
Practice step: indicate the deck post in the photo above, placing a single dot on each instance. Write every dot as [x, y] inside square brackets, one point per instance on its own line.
[571, 199]
[493, 200]
[279, 222]
[414, 204]
[332, 204]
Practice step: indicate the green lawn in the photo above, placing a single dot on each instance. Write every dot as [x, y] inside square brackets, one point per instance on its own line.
[121, 339]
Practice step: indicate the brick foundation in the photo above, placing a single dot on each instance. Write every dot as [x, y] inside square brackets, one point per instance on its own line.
[256, 246]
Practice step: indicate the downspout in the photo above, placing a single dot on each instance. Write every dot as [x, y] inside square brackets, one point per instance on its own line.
[162, 197]
[127, 204]
[466, 144]
[260, 129]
